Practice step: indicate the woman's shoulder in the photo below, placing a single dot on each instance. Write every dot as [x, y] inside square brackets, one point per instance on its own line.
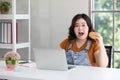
[64, 44]
[66, 40]
[94, 45]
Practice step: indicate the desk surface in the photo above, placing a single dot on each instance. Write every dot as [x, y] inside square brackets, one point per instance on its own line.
[29, 72]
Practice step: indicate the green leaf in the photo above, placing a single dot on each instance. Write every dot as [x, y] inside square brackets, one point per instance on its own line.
[14, 62]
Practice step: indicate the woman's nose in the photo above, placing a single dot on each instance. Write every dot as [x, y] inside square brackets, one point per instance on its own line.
[80, 28]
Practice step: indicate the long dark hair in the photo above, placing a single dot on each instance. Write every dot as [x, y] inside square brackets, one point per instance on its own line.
[72, 35]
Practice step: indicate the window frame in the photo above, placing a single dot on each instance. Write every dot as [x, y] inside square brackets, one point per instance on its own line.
[113, 11]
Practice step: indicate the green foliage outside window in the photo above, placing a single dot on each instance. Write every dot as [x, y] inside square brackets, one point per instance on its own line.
[103, 23]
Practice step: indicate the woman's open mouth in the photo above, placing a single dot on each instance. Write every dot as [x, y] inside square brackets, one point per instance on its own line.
[80, 33]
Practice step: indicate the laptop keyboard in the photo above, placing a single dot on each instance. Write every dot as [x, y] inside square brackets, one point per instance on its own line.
[71, 66]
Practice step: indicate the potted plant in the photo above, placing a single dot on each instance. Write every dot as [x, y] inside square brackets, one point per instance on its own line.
[5, 7]
[11, 59]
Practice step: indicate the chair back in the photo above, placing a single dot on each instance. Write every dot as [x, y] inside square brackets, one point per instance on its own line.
[109, 53]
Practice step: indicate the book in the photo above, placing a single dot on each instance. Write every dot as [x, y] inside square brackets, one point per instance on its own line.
[16, 33]
[0, 32]
[6, 32]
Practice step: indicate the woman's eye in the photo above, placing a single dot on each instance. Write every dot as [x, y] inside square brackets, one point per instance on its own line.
[76, 25]
[83, 25]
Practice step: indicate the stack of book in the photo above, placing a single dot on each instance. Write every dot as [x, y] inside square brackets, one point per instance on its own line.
[6, 32]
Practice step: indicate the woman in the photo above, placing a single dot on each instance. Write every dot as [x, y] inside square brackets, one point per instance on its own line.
[80, 48]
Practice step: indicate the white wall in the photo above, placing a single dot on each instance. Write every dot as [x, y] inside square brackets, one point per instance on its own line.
[50, 20]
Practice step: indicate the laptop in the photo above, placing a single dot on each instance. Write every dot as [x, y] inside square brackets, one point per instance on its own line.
[51, 59]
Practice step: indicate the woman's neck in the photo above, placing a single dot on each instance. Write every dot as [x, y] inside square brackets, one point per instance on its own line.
[80, 42]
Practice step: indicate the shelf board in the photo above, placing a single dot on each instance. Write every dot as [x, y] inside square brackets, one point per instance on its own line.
[17, 16]
[5, 46]
[22, 45]
[4, 16]
[18, 45]
[22, 16]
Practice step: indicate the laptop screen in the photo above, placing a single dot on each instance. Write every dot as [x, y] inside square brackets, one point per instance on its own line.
[52, 59]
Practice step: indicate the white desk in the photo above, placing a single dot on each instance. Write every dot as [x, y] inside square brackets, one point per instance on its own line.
[78, 73]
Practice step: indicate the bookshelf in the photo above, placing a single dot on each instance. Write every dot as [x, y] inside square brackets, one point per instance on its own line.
[14, 17]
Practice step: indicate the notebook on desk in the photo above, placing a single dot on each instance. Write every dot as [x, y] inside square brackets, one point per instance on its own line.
[51, 59]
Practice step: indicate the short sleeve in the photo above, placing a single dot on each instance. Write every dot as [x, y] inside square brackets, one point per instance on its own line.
[64, 44]
[96, 47]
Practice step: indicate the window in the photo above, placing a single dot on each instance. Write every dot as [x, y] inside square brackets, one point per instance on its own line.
[105, 16]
